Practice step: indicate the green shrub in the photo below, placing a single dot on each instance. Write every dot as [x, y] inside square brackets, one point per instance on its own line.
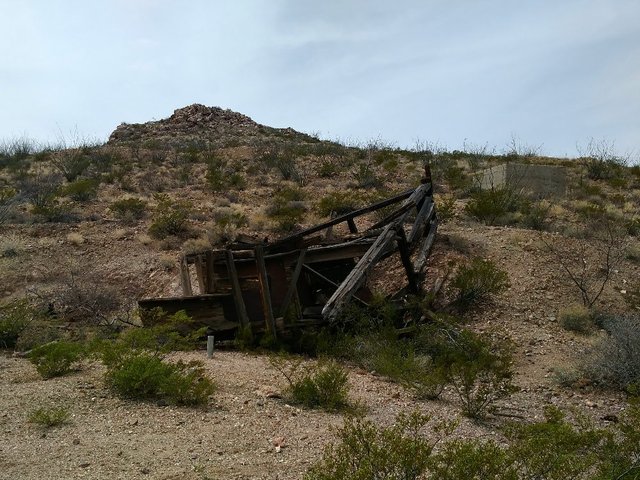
[222, 177]
[577, 318]
[477, 282]
[479, 372]
[536, 215]
[164, 333]
[365, 177]
[15, 317]
[339, 203]
[129, 209]
[71, 162]
[56, 359]
[82, 190]
[170, 216]
[492, 205]
[145, 376]
[365, 451]
[445, 208]
[48, 417]
[287, 208]
[323, 386]
[328, 169]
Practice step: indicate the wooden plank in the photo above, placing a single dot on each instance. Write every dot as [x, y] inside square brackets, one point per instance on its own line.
[357, 276]
[210, 272]
[353, 228]
[425, 247]
[265, 292]
[185, 278]
[294, 282]
[342, 218]
[420, 223]
[241, 308]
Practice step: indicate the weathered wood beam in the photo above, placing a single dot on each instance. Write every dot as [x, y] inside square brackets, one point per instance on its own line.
[241, 309]
[201, 272]
[425, 247]
[185, 278]
[293, 284]
[353, 228]
[405, 256]
[343, 218]
[411, 202]
[210, 272]
[265, 292]
[420, 223]
[356, 278]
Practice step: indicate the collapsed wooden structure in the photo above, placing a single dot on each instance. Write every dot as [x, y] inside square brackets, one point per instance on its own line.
[309, 277]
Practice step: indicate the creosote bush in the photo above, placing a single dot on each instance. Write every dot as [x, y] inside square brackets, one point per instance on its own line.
[57, 358]
[553, 449]
[477, 282]
[82, 189]
[146, 376]
[15, 317]
[129, 209]
[48, 417]
[322, 386]
[491, 206]
[287, 208]
[366, 451]
[170, 217]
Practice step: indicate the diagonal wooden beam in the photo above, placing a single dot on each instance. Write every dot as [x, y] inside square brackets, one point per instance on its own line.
[265, 291]
[241, 309]
[294, 282]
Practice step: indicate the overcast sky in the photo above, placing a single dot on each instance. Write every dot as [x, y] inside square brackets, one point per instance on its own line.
[550, 73]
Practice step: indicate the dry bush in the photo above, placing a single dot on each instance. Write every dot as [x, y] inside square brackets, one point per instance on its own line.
[614, 361]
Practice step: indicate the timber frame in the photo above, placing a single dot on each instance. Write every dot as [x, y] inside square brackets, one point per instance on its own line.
[309, 277]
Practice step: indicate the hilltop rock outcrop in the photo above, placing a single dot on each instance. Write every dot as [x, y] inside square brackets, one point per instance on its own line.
[212, 126]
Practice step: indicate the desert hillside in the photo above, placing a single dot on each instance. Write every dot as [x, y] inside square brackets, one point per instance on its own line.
[88, 229]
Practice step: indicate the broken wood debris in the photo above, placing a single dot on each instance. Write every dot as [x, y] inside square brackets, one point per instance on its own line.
[304, 278]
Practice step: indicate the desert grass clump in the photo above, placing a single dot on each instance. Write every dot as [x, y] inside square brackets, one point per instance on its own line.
[577, 318]
[477, 283]
[324, 385]
[57, 358]
[48, 417]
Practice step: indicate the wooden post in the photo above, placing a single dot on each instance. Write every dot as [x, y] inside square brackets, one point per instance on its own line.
[201, 272]
[210, 339]
[241, 309]
[294, 282]
[265, 292]
[405, 256]
[353, 228]
[185, 279]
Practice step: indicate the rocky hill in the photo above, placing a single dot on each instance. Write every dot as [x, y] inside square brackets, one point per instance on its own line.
[203, 126]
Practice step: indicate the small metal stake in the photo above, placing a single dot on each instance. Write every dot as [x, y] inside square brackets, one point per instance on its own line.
[210, 346]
